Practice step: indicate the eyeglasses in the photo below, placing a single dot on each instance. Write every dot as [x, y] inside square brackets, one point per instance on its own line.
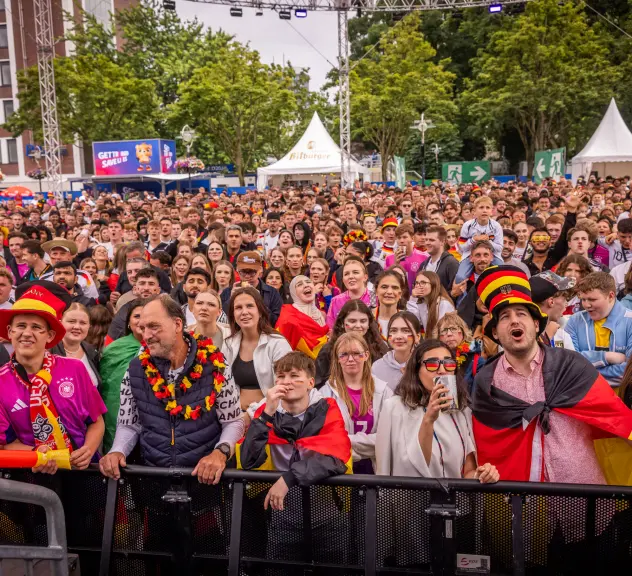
[421, 283]
[433, 364]
[346, 356]
[449, 330]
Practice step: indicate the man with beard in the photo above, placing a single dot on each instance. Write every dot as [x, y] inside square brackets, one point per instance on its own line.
[537, 409]
[544, 253]
[510, 241]
[65, 275]
[196, 280]
[189, 421]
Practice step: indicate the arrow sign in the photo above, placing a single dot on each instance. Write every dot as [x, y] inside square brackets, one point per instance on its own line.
[478, 173]
[466, 172]
[548, 164]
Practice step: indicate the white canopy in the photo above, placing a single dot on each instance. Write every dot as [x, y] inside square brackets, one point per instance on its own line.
[314, 153]
[609, 149]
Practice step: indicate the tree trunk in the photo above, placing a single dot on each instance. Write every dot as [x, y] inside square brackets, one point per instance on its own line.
[384, 157]
[239, 166]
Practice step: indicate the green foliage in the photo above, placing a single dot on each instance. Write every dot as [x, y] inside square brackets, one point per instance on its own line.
[545, 74]
[394, 85]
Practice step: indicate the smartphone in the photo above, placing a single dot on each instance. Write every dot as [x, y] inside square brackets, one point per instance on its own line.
[449, 381]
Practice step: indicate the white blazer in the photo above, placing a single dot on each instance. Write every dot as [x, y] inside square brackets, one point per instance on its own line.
[362, 443]
[397, 448]
[269, 349]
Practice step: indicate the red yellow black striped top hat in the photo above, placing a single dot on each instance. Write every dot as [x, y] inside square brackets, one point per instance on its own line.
[502, 286]
[41, 302]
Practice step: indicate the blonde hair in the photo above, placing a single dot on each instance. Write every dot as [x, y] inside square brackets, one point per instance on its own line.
[483, 199]
[337, 379]
[452, 320]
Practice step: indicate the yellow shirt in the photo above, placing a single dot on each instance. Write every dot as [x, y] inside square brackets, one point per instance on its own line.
[602, 335]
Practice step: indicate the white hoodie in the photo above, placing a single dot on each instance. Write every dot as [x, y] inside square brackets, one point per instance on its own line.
[387, 368]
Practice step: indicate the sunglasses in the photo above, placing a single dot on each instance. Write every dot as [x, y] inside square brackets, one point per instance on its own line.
[540, 238]
[433, 364]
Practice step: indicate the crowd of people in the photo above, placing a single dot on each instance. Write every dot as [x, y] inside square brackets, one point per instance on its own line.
[442, 332]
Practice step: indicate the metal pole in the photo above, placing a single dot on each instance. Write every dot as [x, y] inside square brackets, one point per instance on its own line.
[346, 178]
[50, 125]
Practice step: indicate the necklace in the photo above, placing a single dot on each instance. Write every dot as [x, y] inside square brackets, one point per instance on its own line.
[166, 392]
[70, 352]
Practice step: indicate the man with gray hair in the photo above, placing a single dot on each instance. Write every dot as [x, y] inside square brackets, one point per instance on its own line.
[193, 417]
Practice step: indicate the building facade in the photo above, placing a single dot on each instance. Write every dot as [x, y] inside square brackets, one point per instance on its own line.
[18, 50]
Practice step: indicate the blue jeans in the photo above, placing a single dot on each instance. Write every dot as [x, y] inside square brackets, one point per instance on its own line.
[466, 268]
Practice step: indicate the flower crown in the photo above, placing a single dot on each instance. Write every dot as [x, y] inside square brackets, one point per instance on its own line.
[354, 236]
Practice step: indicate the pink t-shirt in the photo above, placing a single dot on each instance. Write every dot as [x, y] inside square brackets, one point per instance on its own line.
[410, 264]
[76, 399]
[360, 423]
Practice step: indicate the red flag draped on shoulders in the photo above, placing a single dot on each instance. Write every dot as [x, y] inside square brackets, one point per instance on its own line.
[301, 331]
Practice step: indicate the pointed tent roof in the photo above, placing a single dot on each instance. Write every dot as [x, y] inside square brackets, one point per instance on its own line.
[315, 153]
[611, 142]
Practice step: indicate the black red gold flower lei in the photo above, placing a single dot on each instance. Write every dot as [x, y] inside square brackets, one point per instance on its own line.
[166, 393]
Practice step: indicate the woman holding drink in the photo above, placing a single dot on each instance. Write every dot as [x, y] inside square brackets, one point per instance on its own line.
[425, 429]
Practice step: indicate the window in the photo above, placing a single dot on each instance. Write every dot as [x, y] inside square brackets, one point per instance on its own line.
[2, 5]
[5, 74]
[12, 150]
[8, 109]
[4, 39]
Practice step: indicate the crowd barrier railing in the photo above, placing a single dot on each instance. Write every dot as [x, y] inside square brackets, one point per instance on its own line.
[157, 521]
[55, 553]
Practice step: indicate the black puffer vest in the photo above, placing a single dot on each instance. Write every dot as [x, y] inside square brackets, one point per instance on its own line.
[192, 439]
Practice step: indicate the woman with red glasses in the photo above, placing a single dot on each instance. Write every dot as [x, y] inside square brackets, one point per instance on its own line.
[425, 431]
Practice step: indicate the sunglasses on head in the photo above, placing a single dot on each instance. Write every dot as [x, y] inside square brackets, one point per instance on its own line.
[433, 364]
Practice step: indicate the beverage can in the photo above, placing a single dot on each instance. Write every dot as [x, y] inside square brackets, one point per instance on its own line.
[449, 381]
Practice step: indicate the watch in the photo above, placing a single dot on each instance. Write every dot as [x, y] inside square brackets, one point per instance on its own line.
[224, 448]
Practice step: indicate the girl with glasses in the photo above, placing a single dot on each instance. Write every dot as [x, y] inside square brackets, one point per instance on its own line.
[404, 333]
[417, 435]
[468, 351]
[359, 395]
[430, 302]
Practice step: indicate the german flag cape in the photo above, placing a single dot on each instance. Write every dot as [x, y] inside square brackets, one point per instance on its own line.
[322, 430]
[504, 426]
[301, 331]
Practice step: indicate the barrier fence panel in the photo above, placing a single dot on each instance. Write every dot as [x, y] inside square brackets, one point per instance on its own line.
[163, 522]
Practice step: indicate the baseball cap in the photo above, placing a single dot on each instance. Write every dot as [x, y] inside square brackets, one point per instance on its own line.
[547, 284]
[249, 261]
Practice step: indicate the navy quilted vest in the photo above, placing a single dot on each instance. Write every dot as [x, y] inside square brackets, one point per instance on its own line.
[193, 439]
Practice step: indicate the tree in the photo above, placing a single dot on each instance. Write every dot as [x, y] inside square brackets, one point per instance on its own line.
[545, 74]
[239, 102]
[97, 99]
[392, 86]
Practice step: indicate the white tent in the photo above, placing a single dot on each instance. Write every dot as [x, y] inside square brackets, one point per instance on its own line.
[314, 153]
[609, 151]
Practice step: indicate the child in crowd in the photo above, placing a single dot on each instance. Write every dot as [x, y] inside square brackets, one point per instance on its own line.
[481, 227]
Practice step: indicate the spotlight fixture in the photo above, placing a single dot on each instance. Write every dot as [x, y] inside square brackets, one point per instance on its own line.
[236, 12]
[259, 12]
[300, 13]
[495, 8]
[285, 15]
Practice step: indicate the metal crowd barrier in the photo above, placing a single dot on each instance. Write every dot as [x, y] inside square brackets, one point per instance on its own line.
[54, 553]
[160, 522]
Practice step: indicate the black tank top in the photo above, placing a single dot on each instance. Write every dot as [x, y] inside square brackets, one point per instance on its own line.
[245, 375]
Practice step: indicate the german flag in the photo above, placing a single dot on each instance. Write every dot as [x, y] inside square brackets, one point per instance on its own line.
[301, 331]
[504, 426]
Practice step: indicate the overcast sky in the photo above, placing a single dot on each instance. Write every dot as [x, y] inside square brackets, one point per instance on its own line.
[274, 38]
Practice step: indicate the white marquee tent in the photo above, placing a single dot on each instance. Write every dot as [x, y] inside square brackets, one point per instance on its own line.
[609, 151]
[314, 153]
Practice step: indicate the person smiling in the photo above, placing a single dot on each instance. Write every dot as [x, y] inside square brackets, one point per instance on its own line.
[207, 310]
[537, 409]
[47, 402]
[303, 323]
[388, 291]
[404, 333]
[355, 279]
[430, 302]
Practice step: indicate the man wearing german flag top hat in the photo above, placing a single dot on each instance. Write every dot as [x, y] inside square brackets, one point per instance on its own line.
[47, 402]
[537, 409]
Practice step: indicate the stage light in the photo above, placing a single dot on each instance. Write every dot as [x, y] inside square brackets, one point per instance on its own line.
[300, 13]
[285, 15]
[236, 12]
[495, 8]
[259, 12]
